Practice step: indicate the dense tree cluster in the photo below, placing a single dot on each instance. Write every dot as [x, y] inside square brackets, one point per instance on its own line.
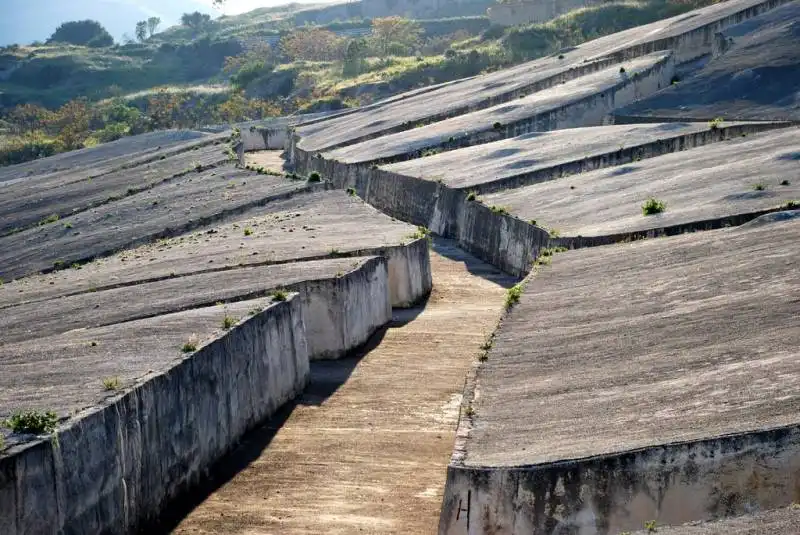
[82, 32]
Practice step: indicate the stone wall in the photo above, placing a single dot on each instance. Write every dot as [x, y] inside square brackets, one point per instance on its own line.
[671, 484]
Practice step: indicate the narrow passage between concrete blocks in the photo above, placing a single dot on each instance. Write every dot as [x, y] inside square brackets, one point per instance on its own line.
[365, 448]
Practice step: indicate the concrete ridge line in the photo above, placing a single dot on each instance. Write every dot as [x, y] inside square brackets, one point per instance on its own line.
[714, 223]
[374, 251]
[624, 156]
[193, 224]
[780, 429]
[574, 72]
[296, 287]
[130, 192]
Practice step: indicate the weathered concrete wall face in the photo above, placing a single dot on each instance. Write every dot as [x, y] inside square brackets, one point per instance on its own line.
[671, 484]
[265, 138]
[116, 467]
[410, 276]
[512, 14]
[343, 312]
[698, 42]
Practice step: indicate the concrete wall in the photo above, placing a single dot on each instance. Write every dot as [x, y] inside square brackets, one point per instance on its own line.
[265, 138]
[515, 13]
[341, 313]
[594, 110]
[671, 484]
[627, 155]
[500, 239]
[118, 465]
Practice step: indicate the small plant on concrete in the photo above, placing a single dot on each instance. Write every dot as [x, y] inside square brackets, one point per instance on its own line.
[650, 526]
[532, 222]
[430, 152]
[512, 295]
[653, 206]
[334, 251]
[351, 192]
[622, 70]
[111, 383]
[314, 177]
[228, 322]
[189, 347]
[248, 232]
[502, 210]
[469, 411]
[279, 295]
[554, 233]
[58, 264]
[49, 219]
[422, 232]
[93, 343]
[472, 195]
[498, 125]
[791, 205]
[67, 225]
[715, 123]
[32, 422]
[256, 310]
[198, 167]
[759, 187]
[675, 80]
[784, 182]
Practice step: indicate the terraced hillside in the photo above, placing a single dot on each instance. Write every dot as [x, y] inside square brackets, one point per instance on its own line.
[600, 339]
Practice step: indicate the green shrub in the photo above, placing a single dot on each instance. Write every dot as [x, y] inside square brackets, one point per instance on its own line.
[715, 123]
[189, 347]
[512, 295]
[759, 187]
[228, 322]
[248, 232]
[653, 206]
[32, 422]
[314, 177]
[501, 210]
[111, 383]
[351, 192]
[471, 196]
[279, 295]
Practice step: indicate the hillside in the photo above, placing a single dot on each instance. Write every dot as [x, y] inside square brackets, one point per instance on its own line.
[35, 20]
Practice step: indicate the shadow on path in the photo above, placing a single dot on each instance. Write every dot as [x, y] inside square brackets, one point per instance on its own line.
[326, 377]
[450, 249]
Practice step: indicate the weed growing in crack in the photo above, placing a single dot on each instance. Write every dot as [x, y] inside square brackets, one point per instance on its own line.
[653, 206]
[111, 383]
[513, 295]
[32, 422]
[279, 295]
[228, 322]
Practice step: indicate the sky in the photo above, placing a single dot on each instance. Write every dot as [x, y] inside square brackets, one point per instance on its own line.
[23, 21]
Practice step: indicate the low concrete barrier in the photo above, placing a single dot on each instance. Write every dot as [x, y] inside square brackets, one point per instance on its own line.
[118, 465]
[671, 484]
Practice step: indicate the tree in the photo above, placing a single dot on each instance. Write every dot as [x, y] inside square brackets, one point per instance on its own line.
[152, 25]
[195, 20]
[82, 32]
[394, 32]
[354, 57]
[313, 44]
[141, 30]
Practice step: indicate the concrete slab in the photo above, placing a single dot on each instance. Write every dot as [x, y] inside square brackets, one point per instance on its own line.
[616, 348]
[716, 181]
[755, 77]
[541, 156]
[65, 372]
[305, 227]
[585, 101]
[27, 202]
[786, 521]
[686, 34]
[64, 310]
[167, 209]
[96, 160]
